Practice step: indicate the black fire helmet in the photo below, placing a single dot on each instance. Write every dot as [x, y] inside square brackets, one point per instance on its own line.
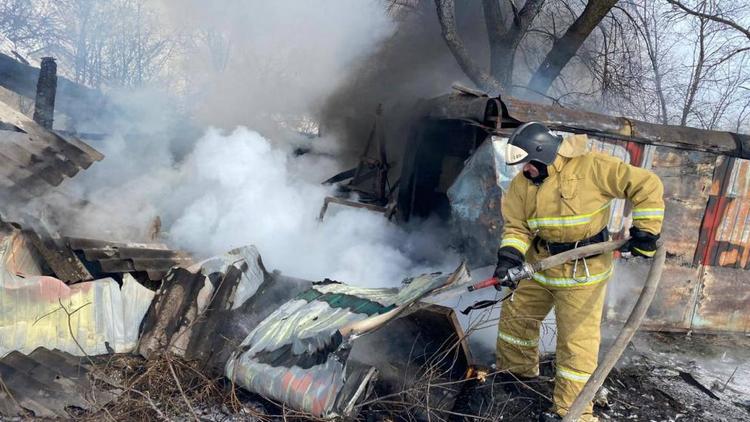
[532, 142]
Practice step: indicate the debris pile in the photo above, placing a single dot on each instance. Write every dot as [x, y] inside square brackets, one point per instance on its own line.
[321, 348]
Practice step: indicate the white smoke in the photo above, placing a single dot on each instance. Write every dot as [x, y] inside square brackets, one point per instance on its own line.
[248, 64]
[239, 188]
[250, 59]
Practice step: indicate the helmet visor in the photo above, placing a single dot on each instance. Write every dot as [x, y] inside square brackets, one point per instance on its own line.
[514, 154]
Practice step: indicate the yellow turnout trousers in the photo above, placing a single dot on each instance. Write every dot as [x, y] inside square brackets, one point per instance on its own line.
[578, 313]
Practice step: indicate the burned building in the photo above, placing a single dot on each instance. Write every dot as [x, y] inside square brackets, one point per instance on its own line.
[451, 167]
[325, 348]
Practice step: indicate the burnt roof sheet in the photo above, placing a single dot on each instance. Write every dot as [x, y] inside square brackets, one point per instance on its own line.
[46, 383]
[33, 159]
[113, 257]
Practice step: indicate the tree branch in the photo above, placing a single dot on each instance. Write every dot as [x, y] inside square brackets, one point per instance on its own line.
[446, 17]
[494, 20]
[522, 21]
[564, 48]
[714, 18]
[504, 41]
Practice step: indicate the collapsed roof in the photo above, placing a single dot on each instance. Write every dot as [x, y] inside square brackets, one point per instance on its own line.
[302, 343]
[34, 159]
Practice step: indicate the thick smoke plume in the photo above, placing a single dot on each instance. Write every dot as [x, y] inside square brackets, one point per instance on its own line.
[251, 61]
[237, 188]
[413, 64]
[228, 177]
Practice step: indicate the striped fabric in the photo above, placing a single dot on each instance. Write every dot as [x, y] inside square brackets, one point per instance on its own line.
[516, 341]
[648, 213]
[516, 243]
[572, 282]
[572, 375]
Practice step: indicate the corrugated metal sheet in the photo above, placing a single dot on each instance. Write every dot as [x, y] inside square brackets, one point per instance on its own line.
[46, 383]
[19, 256]
[96, 317]
[299, 355]
[33, 159]
[193, 313]
[280, 337]
[725, 230]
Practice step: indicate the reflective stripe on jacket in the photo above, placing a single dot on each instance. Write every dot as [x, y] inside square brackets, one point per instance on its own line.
[573, 203]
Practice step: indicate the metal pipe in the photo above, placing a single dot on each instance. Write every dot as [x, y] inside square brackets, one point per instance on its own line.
[626, 334]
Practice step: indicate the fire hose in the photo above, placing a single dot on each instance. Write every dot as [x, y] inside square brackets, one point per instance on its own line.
[628, 330]
[527, 270]
[626, 334]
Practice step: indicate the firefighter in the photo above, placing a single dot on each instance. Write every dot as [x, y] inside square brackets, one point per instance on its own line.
[561, 200]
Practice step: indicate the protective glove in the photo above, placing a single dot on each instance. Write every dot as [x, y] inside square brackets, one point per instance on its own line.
[507, 258]
[641, 243]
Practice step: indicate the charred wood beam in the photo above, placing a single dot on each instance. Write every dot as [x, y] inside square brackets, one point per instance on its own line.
[576, 121]
[62, 261]
[46, 88]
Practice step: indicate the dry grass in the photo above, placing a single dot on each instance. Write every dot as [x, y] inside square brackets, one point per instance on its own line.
[166, 388]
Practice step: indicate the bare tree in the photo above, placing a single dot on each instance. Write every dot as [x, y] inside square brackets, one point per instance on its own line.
[506, 35]
[565, 47]
[717, 16]
[97, 43]
[698, 66]
[646, 19]
[29, 25]
[446, 16]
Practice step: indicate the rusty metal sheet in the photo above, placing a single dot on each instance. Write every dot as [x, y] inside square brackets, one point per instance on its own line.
[725, 229]
[672, 307]
[731, 238]
[724, 301]
[687, 179]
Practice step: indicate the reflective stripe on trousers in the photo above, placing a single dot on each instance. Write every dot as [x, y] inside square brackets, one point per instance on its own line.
[572, 375]
[515, 340]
